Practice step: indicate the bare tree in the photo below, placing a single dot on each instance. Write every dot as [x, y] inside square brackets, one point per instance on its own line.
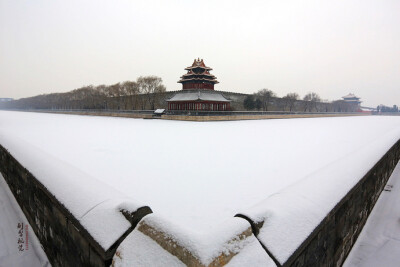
[150, 86]
[310, 101]
[265, 96]
[115, 94]
[289, 100]
[103, 96]
[131, 90]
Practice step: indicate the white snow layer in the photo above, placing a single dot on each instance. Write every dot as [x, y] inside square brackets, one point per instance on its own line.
[379, 241]
[95, 204]
[251, 255]
[140, 250]
[198, 175]
[204, 246]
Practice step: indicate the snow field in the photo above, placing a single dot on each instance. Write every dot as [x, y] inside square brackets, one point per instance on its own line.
[197, 175]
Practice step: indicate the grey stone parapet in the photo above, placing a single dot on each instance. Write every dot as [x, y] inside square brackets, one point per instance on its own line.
[331, 241]
[65, 241]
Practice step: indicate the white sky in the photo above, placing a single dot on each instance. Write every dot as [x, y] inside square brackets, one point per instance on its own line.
[329, 47]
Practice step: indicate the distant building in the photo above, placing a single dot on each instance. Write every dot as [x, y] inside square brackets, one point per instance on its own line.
[198, 77]
[6, 99]
[351, 98]
[198, 91]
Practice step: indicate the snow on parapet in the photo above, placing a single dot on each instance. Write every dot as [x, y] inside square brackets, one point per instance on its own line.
[286, 219]
[186, 246]
[95, 205]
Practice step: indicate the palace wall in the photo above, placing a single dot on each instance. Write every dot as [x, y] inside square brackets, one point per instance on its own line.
[158, 100]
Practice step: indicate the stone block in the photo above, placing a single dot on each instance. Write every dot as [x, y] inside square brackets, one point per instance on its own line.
[95, 259]
[79, 241]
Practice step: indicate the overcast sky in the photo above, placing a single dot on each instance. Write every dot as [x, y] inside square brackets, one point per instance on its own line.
[328, 47]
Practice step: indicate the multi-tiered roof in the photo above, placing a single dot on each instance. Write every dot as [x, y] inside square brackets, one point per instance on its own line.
[351, 98]
[198, 91]
[198, 77]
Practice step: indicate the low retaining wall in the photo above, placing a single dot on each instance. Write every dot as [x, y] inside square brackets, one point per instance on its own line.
[251, 117]
[200, 115]
[251, 113]
[65, 241]
[331, 241]
[123, 114]
[203, 117]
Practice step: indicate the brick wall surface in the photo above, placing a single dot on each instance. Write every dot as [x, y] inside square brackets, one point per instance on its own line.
[332, 240]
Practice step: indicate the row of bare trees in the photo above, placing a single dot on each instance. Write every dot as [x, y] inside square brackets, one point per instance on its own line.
[142, 94]
[148, 92]
[266, 100]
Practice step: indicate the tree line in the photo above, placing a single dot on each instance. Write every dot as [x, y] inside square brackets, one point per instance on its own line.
[149, 93]
[144, 93]
[266, 100]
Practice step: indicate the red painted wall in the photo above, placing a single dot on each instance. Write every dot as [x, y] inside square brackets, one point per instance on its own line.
[187, 86]
[203, 105]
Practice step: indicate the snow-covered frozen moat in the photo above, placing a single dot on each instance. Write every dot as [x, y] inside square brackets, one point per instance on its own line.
[195, 175]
